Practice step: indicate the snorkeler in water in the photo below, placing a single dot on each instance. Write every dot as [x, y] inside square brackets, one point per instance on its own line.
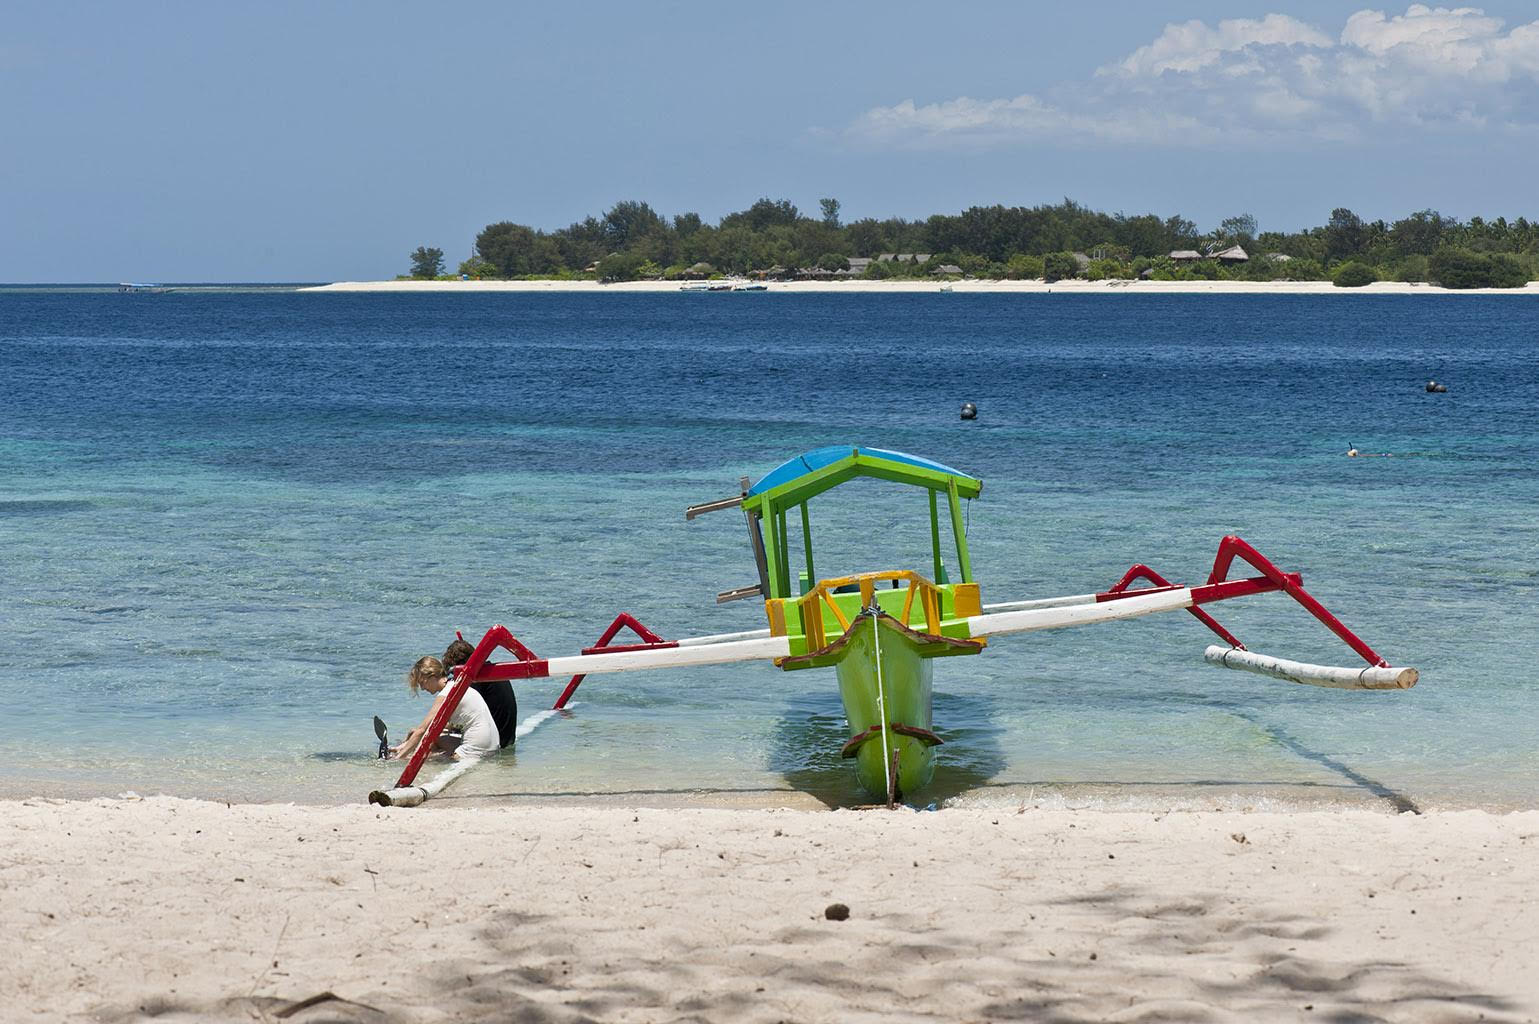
[498, 694]
[471, 716]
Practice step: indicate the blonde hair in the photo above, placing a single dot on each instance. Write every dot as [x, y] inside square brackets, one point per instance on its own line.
[425, 669]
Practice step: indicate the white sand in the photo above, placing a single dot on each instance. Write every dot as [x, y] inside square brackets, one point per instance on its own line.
[1025, 287]
[118, 910]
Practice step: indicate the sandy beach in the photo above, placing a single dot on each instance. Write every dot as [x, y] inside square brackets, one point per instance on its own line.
[177, 910]
[1022, 287]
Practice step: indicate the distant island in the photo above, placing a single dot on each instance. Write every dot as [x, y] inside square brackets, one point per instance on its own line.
[773, 240]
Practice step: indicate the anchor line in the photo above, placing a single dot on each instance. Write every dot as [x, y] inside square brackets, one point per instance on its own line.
[881, 705]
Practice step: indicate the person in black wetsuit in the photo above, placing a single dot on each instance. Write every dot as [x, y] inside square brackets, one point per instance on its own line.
[498, 695]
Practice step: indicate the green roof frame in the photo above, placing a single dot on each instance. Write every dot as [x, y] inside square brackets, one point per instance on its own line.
[828, 468]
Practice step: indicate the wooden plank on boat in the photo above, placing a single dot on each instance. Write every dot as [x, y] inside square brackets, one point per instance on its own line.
[1078, 614]
[721, 638]
[754, 590]
[713, 506]
[1041, 602]
[1366, 678]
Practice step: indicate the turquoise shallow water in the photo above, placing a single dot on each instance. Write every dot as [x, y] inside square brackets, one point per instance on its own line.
[229, 521]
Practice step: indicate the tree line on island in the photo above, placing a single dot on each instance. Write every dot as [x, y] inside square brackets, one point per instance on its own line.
[772, 238]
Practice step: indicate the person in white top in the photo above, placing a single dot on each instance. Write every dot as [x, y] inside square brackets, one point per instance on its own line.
[478, 730]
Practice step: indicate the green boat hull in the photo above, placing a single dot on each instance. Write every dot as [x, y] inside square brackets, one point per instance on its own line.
[883, 669]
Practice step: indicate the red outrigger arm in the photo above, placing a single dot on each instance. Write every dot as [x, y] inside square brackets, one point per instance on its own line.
[650, 641]
[1124, 602]
[1219, 587]
[527, 666]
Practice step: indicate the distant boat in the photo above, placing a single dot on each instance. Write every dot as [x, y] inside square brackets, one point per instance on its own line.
[142, 289]
[722, 286]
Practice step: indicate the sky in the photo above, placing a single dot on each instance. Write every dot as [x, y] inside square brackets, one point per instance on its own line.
[325, 141]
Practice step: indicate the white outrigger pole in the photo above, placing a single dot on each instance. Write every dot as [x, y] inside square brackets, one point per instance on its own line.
[1120, 602]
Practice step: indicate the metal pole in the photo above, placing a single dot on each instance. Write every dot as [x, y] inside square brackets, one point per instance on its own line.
[812, 577]
[935, 539]
[965, 565]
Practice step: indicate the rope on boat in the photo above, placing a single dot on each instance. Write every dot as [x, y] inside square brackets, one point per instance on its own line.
[881, 704]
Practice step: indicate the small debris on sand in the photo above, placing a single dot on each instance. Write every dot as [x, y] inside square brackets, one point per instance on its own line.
[837, 912]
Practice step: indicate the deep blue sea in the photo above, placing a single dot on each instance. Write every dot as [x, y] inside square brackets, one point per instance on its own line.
[229, 521]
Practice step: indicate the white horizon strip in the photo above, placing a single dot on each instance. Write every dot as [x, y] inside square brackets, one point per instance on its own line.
[1367, 678]
[1079, 614]
[762, 649]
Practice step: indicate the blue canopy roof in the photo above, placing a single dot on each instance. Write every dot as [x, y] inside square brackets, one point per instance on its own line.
[819, 458]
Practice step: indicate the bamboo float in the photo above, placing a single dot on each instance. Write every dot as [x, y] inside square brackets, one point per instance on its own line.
[1366, 678]
[411, 796]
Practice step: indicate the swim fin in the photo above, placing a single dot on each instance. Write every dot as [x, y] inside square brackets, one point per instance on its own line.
[384, 741]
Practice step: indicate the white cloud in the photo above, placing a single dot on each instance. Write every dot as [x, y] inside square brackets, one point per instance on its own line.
[984, 123]
[1456, 41]
[1193, 46]
[1260, 82]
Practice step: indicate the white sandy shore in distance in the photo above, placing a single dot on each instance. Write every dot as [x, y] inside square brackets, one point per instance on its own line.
[1024, 287]
[178, 910]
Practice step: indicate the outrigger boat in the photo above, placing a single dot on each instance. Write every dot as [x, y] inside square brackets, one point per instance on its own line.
[880, 631]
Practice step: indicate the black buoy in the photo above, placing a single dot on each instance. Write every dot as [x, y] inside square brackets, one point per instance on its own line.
[969, 411]
[1434, 388]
